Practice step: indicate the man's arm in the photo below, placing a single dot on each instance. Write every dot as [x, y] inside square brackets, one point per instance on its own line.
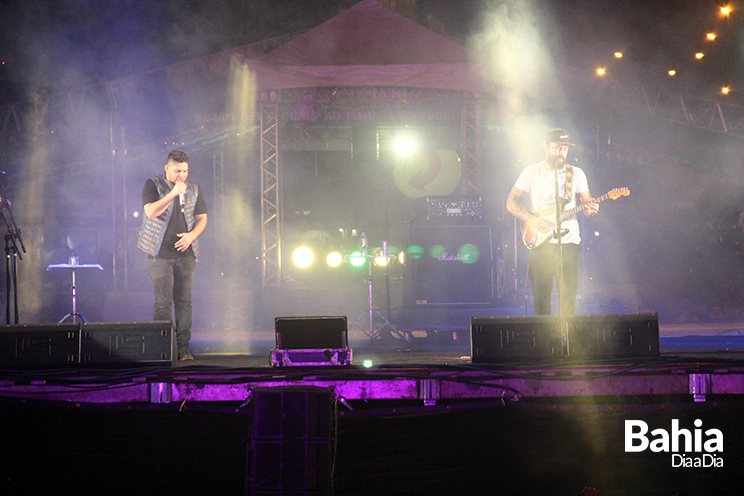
[592, 209]
[156, 209]
[514, 205]
[187, 238]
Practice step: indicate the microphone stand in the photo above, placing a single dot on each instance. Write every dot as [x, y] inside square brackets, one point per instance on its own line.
[12, 255]
[558, 234]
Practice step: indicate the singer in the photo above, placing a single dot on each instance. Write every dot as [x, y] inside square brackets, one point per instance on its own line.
[538, 181]
[175, 216]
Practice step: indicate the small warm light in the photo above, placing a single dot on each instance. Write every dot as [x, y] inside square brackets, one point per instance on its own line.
[672, 72]
[135, 214]
[302, 257]
[618, 55]
[711, 36]
[402, 258]
[699, 55]
[381, 261]
[596, 234]
[601, 71]
[334, 259]
[725, 90]
[725, 10]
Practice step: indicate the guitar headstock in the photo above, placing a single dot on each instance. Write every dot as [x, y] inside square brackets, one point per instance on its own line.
[617, 193]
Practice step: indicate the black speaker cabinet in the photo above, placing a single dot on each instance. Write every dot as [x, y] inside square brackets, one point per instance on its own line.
[310, 333]
[515, 338]
[127, 343]
[614, 335]
[451, 265]
[535, 338]
[39, 345]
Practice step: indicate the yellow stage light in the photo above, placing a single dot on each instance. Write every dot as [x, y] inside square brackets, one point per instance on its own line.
[402, 258]
[725, 90]
[618, 55]
[381, 261]
[725, 10]
[601, 71]
[672, 72]
[302, 257]
[711, 36]
[404, 146]
[699, 55]
[334, 259]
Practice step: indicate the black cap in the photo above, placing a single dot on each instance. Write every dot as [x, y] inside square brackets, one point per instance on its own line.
[559, 136]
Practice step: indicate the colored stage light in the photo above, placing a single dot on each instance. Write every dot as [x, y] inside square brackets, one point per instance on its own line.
[601, 71]
[415, 251]
[725, 10]
[402, 258]
[367, 364]
[699, 55]
[302, 257]
[618, 55]
[334, 259]
[381, 261]
[672, 72]
[725, 90]
[356, 259]
[711, 36]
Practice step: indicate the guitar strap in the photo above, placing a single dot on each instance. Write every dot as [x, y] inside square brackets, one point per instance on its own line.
[569, 182]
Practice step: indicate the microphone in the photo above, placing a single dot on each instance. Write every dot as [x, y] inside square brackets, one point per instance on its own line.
[180, 199]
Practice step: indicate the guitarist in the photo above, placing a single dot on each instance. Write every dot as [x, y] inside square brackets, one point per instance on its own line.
[538, 182]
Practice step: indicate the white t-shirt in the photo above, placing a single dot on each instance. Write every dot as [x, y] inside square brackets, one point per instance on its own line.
[539, 182]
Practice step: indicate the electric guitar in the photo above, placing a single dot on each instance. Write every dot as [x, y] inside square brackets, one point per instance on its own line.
[533, 238]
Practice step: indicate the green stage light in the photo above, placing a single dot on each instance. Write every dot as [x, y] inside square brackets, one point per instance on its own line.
[356, 259]
[415, 251]
[302, 257]
[334, 259]
[469, 253]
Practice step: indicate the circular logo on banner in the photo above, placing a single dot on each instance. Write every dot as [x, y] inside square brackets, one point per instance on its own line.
[427, 173]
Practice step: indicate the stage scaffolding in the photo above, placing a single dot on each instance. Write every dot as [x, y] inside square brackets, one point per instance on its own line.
[384, 105]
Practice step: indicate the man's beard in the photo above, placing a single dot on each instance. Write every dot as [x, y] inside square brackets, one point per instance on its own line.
[555, 162]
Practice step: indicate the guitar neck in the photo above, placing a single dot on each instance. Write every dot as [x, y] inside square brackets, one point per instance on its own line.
[568, 213]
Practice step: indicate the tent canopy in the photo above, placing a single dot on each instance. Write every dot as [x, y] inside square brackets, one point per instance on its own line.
[370, 45]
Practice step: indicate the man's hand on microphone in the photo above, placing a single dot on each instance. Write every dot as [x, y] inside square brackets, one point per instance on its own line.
[179, 188]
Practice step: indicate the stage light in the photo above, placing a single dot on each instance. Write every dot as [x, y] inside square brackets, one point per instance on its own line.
[402, 258]
[699, 55]
[416, 251]
[725, 10]
[711, 36]
[334, 259]
[381, 261]
[302, 257]
[367, 364]
[601, 71]
[356, 259]
[672, 72]
[404, 146]
[725, 90]
[135, 214]
[618, 55]
[596, 234]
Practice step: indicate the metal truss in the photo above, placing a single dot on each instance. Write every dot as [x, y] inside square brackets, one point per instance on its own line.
[218, 201]
[471, 146]
[683, 109]
[271, 272]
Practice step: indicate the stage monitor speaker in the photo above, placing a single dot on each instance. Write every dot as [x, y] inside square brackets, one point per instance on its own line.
[451, 265]
[614, 336]
[535, 338]
[515, 338]
[39, 345]
[310, 333]
[117, 344]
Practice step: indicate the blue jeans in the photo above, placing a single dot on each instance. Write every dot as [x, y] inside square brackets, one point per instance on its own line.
[172, 280]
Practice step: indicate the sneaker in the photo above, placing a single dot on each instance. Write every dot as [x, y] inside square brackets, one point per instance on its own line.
[185, 355]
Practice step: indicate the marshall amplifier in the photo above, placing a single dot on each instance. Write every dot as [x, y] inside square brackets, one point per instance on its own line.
[448, 210]
[451, 265]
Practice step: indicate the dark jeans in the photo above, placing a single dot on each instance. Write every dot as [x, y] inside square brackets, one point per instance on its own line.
[172, 279]
[544, 268]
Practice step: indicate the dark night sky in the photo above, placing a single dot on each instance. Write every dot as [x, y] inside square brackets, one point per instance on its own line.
[77, 42]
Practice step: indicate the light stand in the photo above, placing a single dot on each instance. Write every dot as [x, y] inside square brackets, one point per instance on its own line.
[12, 256]
[371, 311]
